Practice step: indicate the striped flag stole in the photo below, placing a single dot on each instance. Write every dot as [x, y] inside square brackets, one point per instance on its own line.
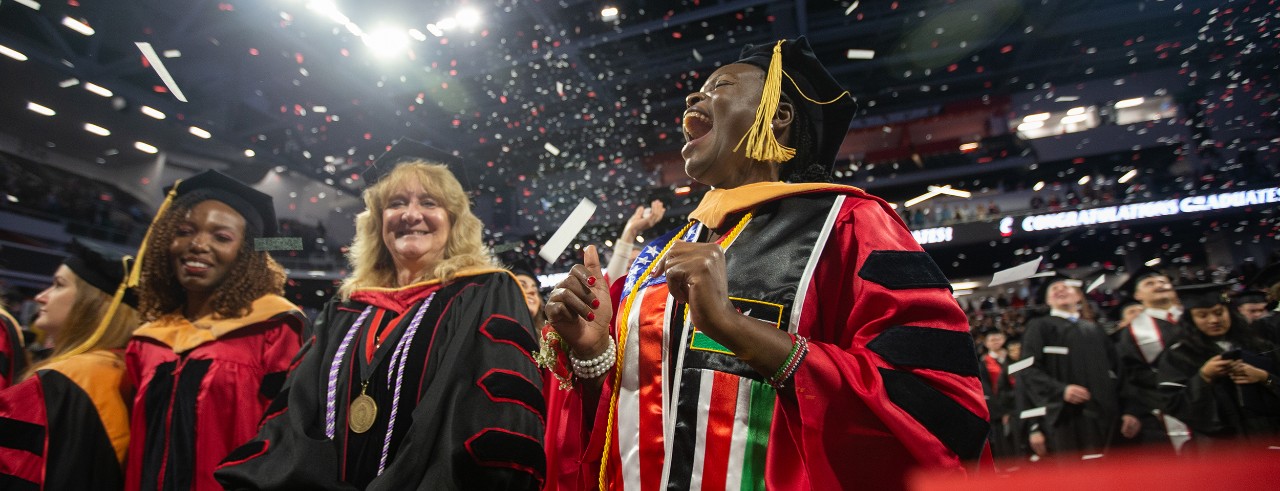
[723, 448]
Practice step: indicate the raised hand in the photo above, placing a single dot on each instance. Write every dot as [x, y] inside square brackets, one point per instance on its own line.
[579, 308]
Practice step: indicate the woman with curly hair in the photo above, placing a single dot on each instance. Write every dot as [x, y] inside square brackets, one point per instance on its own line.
[73, 398]
[219, 337]
[420, 374]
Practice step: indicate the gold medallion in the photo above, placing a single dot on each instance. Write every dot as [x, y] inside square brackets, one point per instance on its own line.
[362, 412]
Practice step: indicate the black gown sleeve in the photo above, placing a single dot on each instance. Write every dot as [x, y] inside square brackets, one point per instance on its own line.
[1035, 386]
[1185, 394]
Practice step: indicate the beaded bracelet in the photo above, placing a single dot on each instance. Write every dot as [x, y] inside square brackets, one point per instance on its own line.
[595, 367]
[799, 348]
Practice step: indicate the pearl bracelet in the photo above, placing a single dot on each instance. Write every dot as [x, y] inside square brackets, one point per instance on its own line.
[595, 367]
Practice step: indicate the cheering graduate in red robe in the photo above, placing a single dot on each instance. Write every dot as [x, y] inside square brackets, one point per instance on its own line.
[219, 340]
[792, 336]
[421, 373]
[66, 425]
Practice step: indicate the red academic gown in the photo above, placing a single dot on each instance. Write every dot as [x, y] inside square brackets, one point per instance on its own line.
[890, 383]
[202, 387]
[66, 427]
[13, 359]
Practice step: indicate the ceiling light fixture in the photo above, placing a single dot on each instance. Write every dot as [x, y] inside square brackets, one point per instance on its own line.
[1083, 180]
[965, 285]
[12, 53]
[1130, 102]
[1075, 110]
[1038, 186]
[1030, 125]
[78, 26]
[1074, 119]
[1035, 117]
[145, 147]
[97, 130]
[200, 132]
[609, 14]
[1152, 262]
[1128, 175]
[860, 54]
[98, 89]
[386, 41]
[31, 4]
[38, 109]
[248, 152]
[152, 112]
[71, 82]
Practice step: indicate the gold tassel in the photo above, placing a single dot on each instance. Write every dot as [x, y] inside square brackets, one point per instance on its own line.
[761, 144]
[132, 276]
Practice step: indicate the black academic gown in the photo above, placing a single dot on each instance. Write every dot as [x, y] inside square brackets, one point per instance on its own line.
[1070, 353]
[470, 412]
[1221, 410]
[1138, 384]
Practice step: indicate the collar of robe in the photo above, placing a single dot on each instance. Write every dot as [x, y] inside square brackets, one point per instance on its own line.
[399, 299]
[719, 204]
[182, 335]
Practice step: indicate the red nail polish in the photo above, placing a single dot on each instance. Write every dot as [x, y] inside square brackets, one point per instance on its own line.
[591, 281]
[591, 316]
[595, 304]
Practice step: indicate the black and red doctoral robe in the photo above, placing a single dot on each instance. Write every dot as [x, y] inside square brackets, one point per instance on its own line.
[66, 427]
[13, 356]
[469, 410]
[202, 386]
[890, 384]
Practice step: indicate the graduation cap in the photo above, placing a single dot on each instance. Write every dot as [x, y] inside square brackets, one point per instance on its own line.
[1248, 296]
[1130, 285]
[406, 149]
[114, 274]
[257, 207]
[102, 269]
[1203, 296]
[811, 89]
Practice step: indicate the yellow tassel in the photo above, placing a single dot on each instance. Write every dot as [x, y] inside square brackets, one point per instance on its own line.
[132, 276]
[761, 144]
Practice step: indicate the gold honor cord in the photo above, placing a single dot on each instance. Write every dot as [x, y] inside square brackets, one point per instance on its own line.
[623, 330]
[132, 276]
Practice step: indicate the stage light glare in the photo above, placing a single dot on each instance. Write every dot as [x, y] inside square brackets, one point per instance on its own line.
[468, 18]
[387, 41]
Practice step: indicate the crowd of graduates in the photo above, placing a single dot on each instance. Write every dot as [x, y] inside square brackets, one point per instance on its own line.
[1180, 371]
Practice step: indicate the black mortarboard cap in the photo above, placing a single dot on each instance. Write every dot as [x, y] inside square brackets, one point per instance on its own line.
[405, 149]
[1203, 296]
[102, 269]
[1249, 296]
[257, 207]
[1138, 275]
[814, 91]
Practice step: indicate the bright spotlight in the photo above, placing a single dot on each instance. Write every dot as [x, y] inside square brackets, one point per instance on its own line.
[97, 130]
[152, 112]
[1038, 186]
[78, 26]
[609, 13]
[1137, 101]
[248, 152]
[468, 18]
[38, 109]
[1128, 175]
[200, 132]
[386, 41]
